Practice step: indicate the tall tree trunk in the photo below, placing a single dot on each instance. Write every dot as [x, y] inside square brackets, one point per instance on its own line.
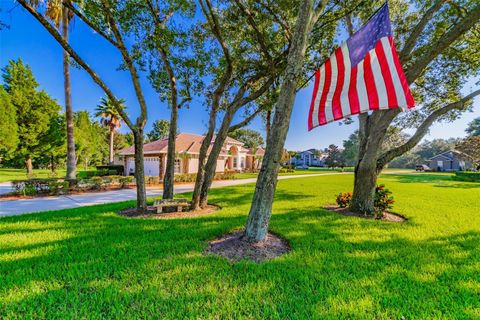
[170, 167]
[268, 122]
[207, 140]
[71, 158]
[261, 209]
[52, 163]
[111, 152]
[211, 164]
[28, 164]
[373, 129]
[139, 171]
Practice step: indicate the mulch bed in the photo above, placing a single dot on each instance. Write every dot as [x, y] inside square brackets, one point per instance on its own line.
[152, 213]
[233, 247]
[387, 216]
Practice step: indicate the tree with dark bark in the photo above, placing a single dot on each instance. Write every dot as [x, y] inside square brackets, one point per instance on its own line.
[164, 34]
[260, 211]
[438, 53]
[105, 18]
[253, 58]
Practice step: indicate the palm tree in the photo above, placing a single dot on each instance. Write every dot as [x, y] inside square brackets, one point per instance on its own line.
[109, 118]
[62, 16]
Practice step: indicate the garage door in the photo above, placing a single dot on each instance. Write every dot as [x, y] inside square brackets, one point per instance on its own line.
[152, 165]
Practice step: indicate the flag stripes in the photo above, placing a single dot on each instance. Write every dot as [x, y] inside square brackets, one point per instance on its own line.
[376, 82]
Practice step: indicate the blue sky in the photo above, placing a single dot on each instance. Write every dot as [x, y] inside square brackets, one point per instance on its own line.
[27, 40]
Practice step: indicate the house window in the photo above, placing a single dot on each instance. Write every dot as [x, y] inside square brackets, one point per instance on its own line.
[235, 162]
[242, 163]
[178, 166]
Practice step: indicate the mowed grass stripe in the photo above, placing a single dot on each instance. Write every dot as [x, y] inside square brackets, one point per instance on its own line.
[91, 263]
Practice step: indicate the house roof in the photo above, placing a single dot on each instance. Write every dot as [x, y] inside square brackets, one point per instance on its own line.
[185, 142]
[450, 155]
[258, 152]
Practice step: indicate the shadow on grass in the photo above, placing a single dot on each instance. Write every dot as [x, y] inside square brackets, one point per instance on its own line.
[90, 262]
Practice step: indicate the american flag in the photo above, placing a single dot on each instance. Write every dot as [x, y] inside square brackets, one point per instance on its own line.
[363, 74]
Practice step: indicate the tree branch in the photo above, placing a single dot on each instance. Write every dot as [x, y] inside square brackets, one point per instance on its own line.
[245, 121]
[256, 30]
[82, 17]
[423, 129]
[214, 24]
[444, 42]
[142, 119]
[96, 78]
[418, 29]
[280, 20]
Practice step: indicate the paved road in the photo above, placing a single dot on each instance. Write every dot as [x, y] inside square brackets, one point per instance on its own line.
[23, 206]
[5, 187]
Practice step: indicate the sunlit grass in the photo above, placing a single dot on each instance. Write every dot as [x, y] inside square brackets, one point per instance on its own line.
[92, 263]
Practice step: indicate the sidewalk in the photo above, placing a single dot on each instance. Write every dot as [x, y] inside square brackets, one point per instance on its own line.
[23, 206]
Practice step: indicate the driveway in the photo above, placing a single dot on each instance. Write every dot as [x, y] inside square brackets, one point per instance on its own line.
[23, 206]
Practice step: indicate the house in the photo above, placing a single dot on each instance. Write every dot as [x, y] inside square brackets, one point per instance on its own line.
[452, 160]
[310, 157]
[233, 156]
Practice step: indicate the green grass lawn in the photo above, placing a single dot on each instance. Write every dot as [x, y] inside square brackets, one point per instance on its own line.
[296, 172]
[92, 263]
[8, 174]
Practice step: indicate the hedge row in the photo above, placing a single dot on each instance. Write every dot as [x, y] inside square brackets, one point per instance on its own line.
[60, 186]
[467, 176]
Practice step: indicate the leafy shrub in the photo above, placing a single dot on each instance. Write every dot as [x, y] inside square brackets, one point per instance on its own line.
[96, 183]
[467, 176]
[383, 200]
[152, 180]
[125, 181]
[227, 175]
[40, 186]
[344, 199]
[286, 170]
[56, 187]
[186, 177]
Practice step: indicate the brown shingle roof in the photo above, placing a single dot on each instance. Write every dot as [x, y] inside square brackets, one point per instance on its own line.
[185, 142]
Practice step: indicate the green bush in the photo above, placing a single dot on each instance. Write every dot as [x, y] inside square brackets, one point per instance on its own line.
[227, 175]
[57, 187]
[40, 186]
[185, 177]
[286, 170]
[344, 199]
[125, 181]
[152, 180]
[383, 200]
[467, 176]
[96, 183]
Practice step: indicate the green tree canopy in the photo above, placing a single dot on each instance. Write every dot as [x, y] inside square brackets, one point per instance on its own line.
[473, 128]
[252, 139]
[160, 129]
[8, 125]
[35, 109]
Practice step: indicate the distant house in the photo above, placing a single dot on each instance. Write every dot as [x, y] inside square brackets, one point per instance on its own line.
[310, 157]
[233, 156]
[452, 160]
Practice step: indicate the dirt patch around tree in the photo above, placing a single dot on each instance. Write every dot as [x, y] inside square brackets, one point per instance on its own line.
[152, 213]
[234, 247]
[387, 216]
